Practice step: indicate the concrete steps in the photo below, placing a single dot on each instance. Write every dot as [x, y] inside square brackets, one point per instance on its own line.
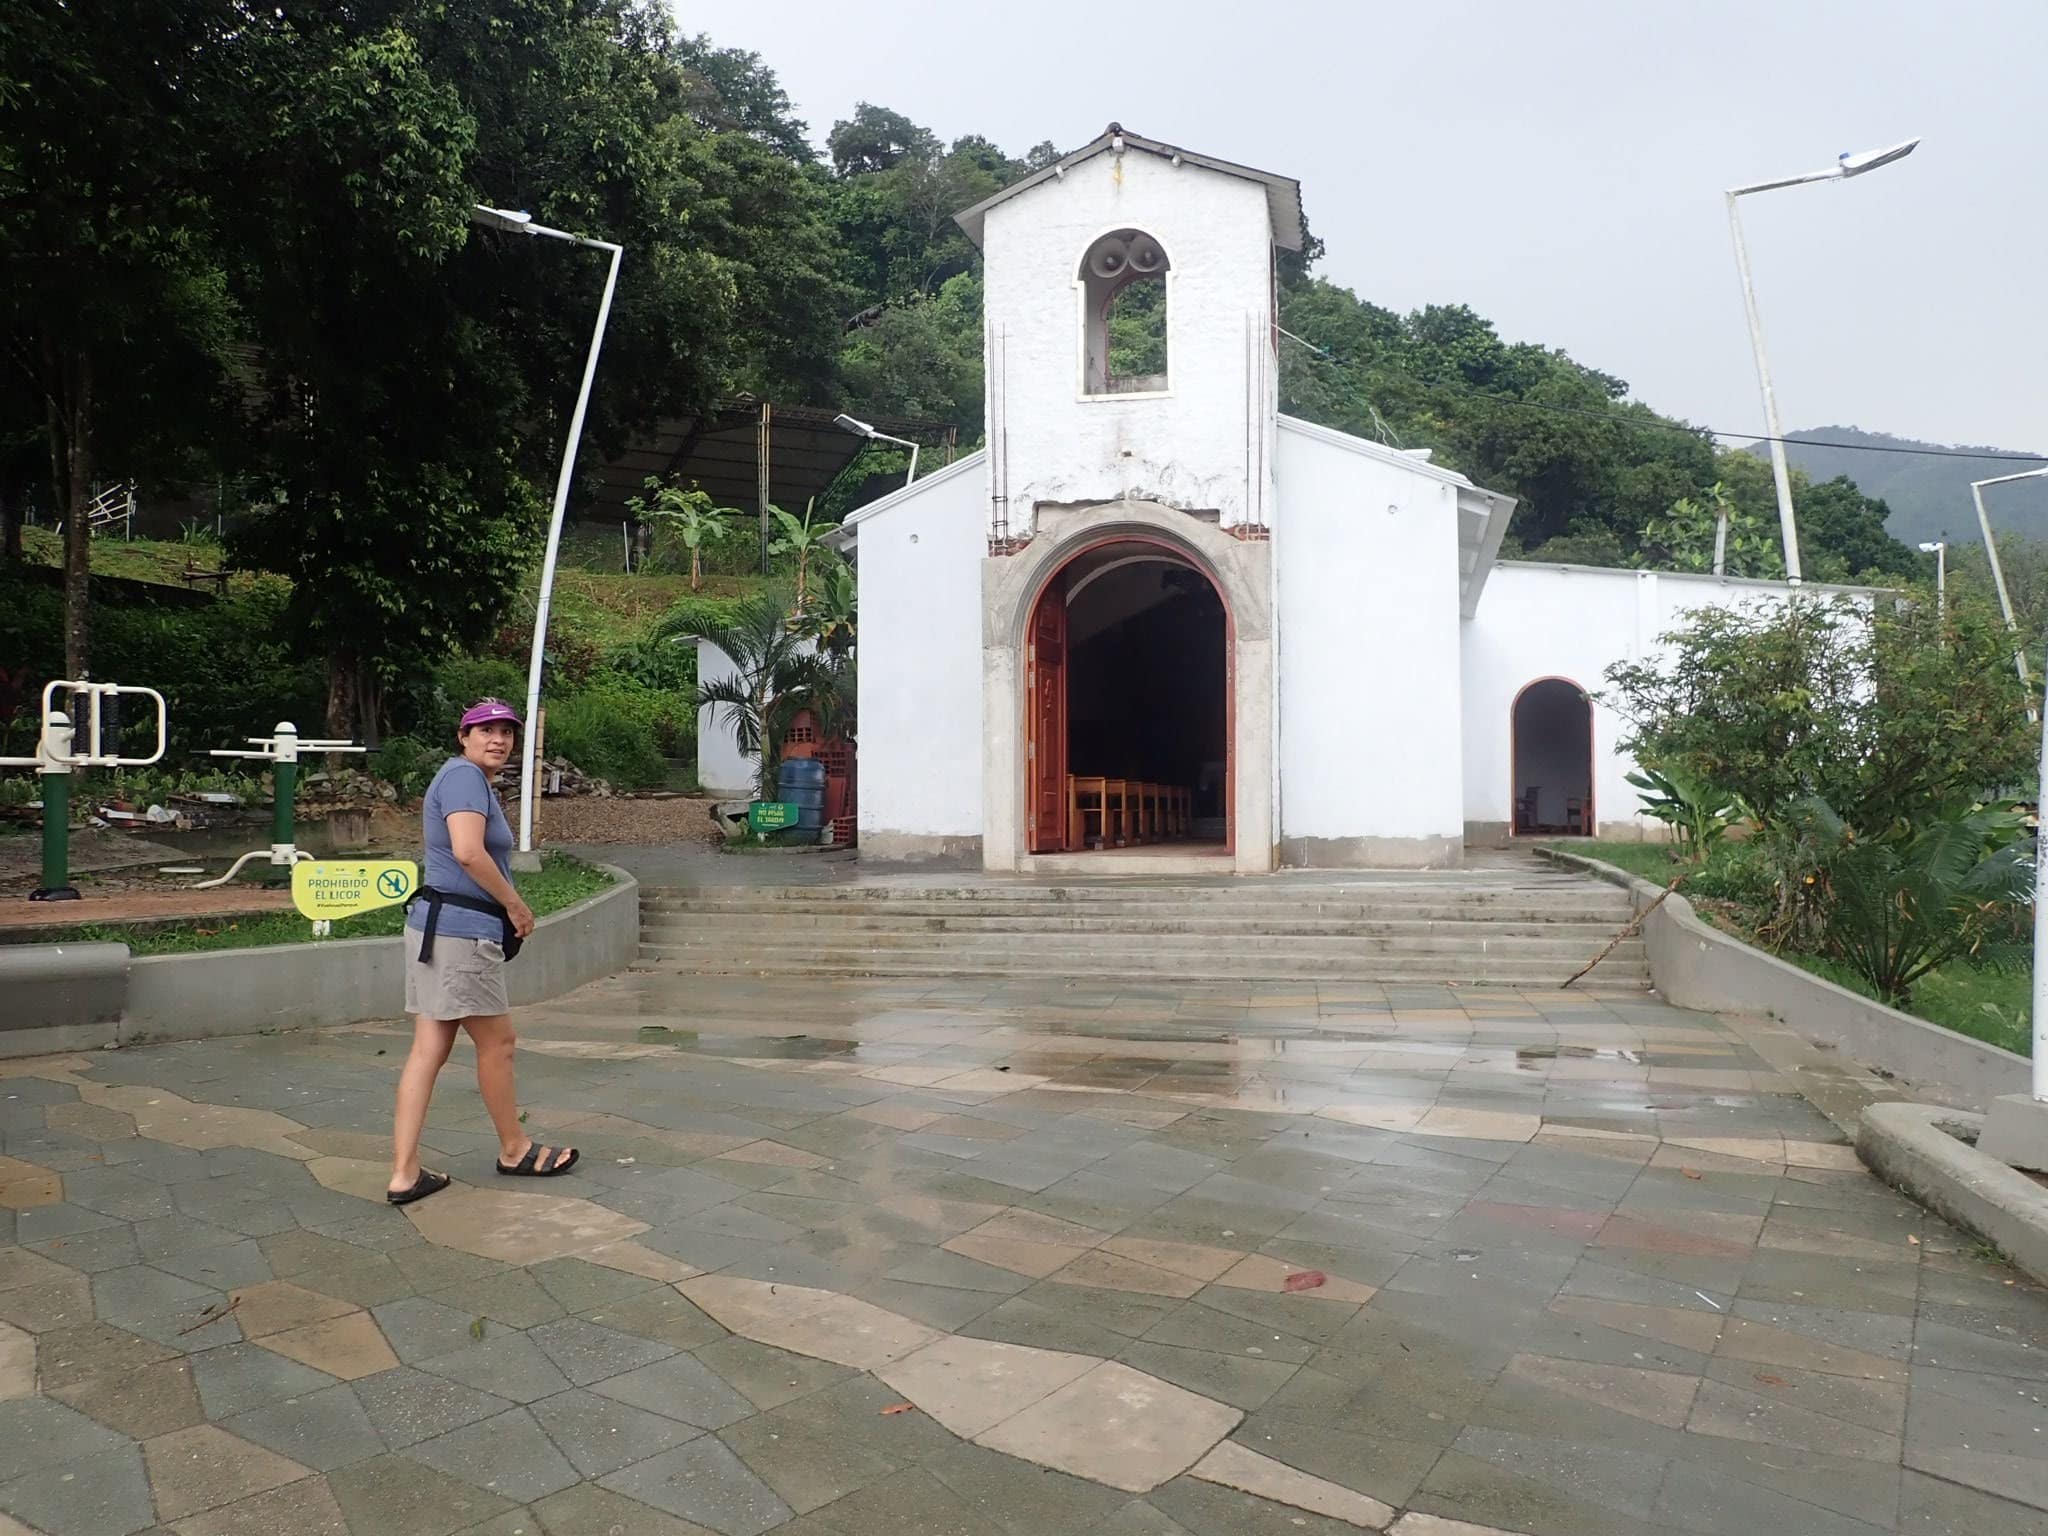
[1502, 928]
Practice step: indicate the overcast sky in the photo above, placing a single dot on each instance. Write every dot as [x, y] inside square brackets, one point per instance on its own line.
[1559, 167]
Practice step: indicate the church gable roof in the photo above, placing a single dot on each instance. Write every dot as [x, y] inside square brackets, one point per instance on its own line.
[1283, 193]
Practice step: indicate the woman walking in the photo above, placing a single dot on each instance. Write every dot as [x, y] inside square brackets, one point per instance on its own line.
[464, 924]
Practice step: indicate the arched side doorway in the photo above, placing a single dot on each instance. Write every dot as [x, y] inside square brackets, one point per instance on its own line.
[1237, 568]
[1128, 682]
[1552, 732]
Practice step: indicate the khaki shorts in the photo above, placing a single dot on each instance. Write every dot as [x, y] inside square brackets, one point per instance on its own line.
[464, 980]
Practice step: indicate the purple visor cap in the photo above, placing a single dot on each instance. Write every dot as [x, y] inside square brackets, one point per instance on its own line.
[487, 711]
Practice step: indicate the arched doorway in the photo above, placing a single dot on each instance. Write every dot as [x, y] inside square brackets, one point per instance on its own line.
[1129, 704]
[1553, 760]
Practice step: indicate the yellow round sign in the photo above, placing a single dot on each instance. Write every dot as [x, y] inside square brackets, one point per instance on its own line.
[323, 889]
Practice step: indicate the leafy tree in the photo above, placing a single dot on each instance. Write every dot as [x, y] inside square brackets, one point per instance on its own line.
[415, 373]
[729, 90]
[1890, 714]
[111, 310]
[1845, 530]
[875, 139]
[921, 358]
[1684, 538]
[1137, 329]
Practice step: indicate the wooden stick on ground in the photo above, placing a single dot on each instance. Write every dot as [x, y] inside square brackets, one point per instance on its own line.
[1633, 924]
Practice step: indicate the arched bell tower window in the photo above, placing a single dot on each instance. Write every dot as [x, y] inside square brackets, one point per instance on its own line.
[1124, 299]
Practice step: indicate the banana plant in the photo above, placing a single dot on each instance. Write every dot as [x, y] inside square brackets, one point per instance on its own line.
[691, 516]
[1698, 814]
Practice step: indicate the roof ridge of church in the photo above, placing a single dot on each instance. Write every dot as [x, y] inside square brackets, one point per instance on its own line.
[1283, 193]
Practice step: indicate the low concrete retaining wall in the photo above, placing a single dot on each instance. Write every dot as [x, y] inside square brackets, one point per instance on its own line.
[68, 995]
[60, 998]
[1696, 965]
[1906, 1145]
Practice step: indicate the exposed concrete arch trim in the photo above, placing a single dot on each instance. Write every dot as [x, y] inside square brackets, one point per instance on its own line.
[1241, 571]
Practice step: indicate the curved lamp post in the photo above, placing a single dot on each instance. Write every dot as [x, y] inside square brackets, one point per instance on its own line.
[522, 223]
[2019, 651]
[1848, 165]
[859, 428]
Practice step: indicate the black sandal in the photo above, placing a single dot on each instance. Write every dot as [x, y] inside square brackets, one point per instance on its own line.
[428, 1184]
[530, 1165]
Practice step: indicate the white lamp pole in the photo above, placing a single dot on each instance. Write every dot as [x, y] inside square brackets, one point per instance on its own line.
[1848, 165]
[2019, 651]
[2040, 1070]
[522, 223]
[1939, 550]
[860, 428]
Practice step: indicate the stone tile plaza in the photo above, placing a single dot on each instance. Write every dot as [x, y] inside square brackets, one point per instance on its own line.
[724, 821]
[1004, 1258]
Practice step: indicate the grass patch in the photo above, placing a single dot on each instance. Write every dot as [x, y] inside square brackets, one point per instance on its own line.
[1652, 861]
[560, 882]
[1995, 1006]
[609, 608]
[160, 561]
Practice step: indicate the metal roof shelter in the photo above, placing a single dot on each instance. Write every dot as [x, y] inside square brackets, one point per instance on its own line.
[726, 450]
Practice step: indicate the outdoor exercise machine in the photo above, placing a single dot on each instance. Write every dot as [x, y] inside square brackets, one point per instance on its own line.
[55, 759]
[281, 750]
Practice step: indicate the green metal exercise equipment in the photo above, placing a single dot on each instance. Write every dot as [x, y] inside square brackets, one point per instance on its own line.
[56, 758]
[281, 750]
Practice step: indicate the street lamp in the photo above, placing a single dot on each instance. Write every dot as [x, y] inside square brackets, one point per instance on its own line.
[1939, 549]
[2019, 652]
[1848, 165]
[860, 428]
[522, 223]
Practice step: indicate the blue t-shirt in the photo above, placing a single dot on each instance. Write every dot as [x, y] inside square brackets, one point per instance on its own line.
[461, 786]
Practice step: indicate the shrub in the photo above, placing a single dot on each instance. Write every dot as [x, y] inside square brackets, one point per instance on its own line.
[223, 671]
[409, 763]
[657, 664]
[617, 730]
[1899, 904]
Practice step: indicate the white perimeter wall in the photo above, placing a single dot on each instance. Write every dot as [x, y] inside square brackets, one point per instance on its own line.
[1199, 446]
[1574, 622]
[1366, 555]
[920, 657]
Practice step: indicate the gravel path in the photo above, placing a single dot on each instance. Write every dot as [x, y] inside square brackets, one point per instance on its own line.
[591, 819]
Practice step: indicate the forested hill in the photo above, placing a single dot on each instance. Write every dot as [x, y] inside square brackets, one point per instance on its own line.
[306, 316]
[1928, 493]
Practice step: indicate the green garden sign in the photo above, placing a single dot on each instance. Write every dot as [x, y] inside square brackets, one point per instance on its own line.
[771, 815]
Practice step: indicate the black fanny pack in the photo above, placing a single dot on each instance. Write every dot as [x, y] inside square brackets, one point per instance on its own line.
[436, 900]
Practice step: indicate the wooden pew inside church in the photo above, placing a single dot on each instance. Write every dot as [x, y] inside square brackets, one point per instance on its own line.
[1104, 812]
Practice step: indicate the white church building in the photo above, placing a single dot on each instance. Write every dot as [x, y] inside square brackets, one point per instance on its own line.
[1156, 624]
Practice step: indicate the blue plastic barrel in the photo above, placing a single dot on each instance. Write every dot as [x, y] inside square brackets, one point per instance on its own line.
[801, 782]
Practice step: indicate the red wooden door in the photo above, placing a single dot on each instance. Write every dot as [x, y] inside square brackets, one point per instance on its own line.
[1045, 759]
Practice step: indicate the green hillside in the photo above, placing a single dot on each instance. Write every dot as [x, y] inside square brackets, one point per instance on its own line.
[1929, 496]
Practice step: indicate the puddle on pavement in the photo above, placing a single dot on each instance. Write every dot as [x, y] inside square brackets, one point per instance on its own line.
[1530, 1058]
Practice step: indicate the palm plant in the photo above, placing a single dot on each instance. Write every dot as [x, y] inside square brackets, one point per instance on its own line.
[1900, 904]
[690, 515]
[777, 671]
